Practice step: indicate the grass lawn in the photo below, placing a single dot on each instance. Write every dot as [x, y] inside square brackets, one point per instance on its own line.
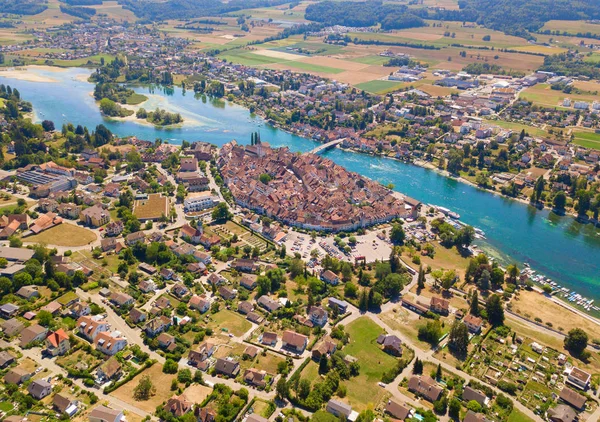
[587, 139]
[267, 363]
[135, 99]
[517, 416]
[371, 60]
[401, 321]
[67, 297]
[161, 381]
[517, 127]
[379, 87]
[310, 67]
[363, 390]
[64, 235]
[79, 356]
[233, 322]
[5, 406]
[249, 59]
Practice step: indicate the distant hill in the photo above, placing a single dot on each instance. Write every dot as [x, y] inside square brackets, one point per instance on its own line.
[23, 7]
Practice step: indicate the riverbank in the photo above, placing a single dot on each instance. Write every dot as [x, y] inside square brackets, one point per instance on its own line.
[24, 73]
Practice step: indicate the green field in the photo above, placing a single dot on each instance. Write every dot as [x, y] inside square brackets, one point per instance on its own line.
[379, 87]
[249, 59]
[373, 60]
[135, 99]
[518, 127]
[363, 390]
[309, 67]
[587, 140]
[312, 48]
[233, 322]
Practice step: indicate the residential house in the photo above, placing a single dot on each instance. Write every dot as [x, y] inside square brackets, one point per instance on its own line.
[579, 378]
[32, 334]
[136, 237]
[12, 327]
[227, 367]
[64, 405]
[205, 414]
[147, 286]
[294, 341]
[267, 303]
[57, 343]
[255, 377]
[475, 417]
[180, 290]
[16, 376]
[178, 405]
[396, 410]
[391, 344]
[8, 310]
[28, 292]
[121, 299]
[53, 307]
[245, 265]
[473, 323]
[330, 277]
[268, 338]
[318, 315]
[165, 340]
[136, 315]
[323, 348]
[200, 303]
[199, 356]
[573, 398]
[109, 370]
[105, 414]
[39, 389]
[227, 293]
[110, 344]
[157, 325]
[6, 359]
[216, 279]
[80, 309]
[248, 281]
[340, 409]
[470, 394]
[342, 305]
[114, 228]
[425, 386]
[439, 305]
[245, 307]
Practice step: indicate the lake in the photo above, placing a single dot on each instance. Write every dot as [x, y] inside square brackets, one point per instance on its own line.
[558, 247]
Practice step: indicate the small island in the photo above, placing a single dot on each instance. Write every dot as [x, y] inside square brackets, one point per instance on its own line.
[112, 109]
[159, 117]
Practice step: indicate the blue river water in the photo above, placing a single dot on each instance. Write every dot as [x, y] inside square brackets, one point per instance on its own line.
[555, 246]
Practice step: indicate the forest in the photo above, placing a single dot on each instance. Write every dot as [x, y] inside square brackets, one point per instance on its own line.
[185, 9]
[361, 14]
[78, 12]
[23, 7]
[518, 17]
[570, 64]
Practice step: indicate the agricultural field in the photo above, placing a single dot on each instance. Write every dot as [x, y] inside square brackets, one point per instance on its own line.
[64, 234]
[543, 95]
[587, 139]
[572, 27]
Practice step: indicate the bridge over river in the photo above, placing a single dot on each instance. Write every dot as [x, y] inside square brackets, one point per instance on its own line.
[327, 146]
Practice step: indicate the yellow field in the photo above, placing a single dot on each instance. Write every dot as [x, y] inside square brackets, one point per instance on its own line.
[65, 234]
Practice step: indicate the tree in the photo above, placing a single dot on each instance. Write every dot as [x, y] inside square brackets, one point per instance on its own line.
[48, 125]
[454, 408]
[221, 212]
[45, 318]
[282, 388]
[421, 278]
[170, 367]
[465, 236]
[474, 306]
[145, 389]
[560, 201]
[458, 342]
[397, 234]
[438, 372]
[296, 268]
[495, 310]
[418, 367]
[576, 341]
[323, 365]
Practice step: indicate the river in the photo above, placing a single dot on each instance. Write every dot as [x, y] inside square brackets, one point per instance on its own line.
[558, 247]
